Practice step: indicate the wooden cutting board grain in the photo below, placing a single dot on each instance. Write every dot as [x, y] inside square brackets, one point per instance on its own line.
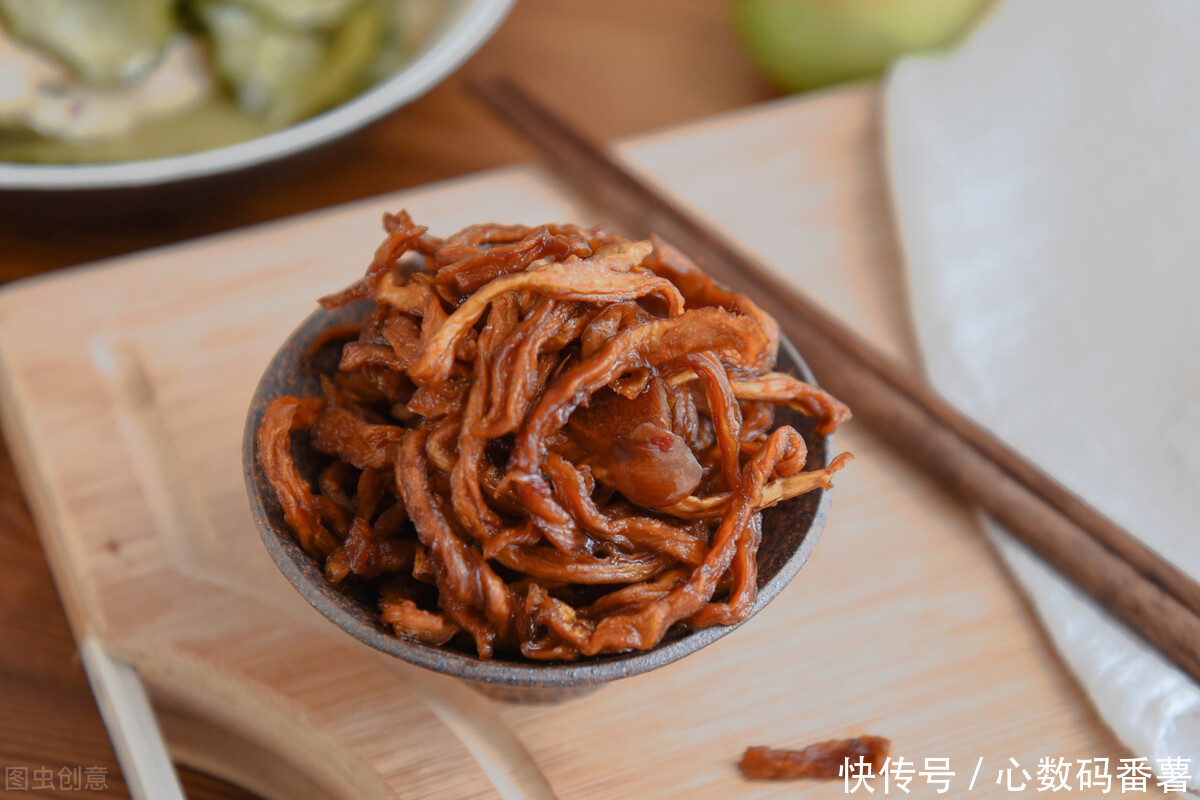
[124, 389]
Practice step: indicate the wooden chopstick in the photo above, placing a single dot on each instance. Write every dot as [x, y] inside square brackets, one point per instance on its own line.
[1154, 598]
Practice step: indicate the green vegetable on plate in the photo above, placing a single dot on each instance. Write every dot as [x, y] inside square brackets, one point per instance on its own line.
[113, 80]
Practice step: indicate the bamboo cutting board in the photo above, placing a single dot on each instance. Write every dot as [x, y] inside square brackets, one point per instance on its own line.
[125, 387]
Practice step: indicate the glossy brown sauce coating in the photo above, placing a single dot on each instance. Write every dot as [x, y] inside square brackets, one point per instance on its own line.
[630, 441]
[824, 760]
[549, 441]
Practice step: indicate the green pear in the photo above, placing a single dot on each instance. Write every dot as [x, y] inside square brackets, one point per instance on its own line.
[804, 44]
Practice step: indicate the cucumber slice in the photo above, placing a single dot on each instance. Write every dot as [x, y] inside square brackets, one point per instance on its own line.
[212, 124]
[303, 14]
[283, 74]
[106, 42]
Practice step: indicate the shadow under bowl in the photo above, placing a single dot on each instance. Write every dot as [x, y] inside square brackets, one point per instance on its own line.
[790, 530]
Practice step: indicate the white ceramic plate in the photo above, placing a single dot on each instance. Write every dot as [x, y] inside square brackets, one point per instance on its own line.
[465, 25]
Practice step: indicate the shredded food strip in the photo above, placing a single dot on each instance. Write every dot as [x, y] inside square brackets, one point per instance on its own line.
[824, 760]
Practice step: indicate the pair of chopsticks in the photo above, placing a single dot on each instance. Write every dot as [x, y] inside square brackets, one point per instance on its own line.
[1154, 598]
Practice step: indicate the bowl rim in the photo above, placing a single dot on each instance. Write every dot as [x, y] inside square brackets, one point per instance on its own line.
[463, 31]
[289, 557]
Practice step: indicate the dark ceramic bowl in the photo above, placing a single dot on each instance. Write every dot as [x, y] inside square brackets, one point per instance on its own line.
[789, 532]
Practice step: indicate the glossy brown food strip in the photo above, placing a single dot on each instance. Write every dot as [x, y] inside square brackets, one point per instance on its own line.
[656, 342]
[743, 582]
[367, 553]
[635, 595]
[340, 432]
[823, 760]
[724, 412]
[472, 589]
[595, 279]
[645, 627]
[402, 235]
[551, 564]
[334, 333]
[282, 416]
[515, 373]
[776, 387]
[773, 493]
[414, 623]
[624, 527]
[475, 266]
[699, 290]
[632, 442]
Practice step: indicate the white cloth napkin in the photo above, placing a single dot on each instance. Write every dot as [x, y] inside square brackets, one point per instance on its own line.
[1046, 179]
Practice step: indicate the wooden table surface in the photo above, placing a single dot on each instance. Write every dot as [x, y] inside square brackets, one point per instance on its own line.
[633, 67]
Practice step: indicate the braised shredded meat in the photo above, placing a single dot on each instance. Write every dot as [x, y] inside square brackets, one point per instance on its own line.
[825, 760]
[549, 441]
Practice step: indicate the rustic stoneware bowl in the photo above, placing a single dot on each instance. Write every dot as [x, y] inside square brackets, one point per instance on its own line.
[789, 532]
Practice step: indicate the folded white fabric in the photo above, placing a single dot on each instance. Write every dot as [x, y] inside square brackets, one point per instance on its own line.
[1046, 179]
